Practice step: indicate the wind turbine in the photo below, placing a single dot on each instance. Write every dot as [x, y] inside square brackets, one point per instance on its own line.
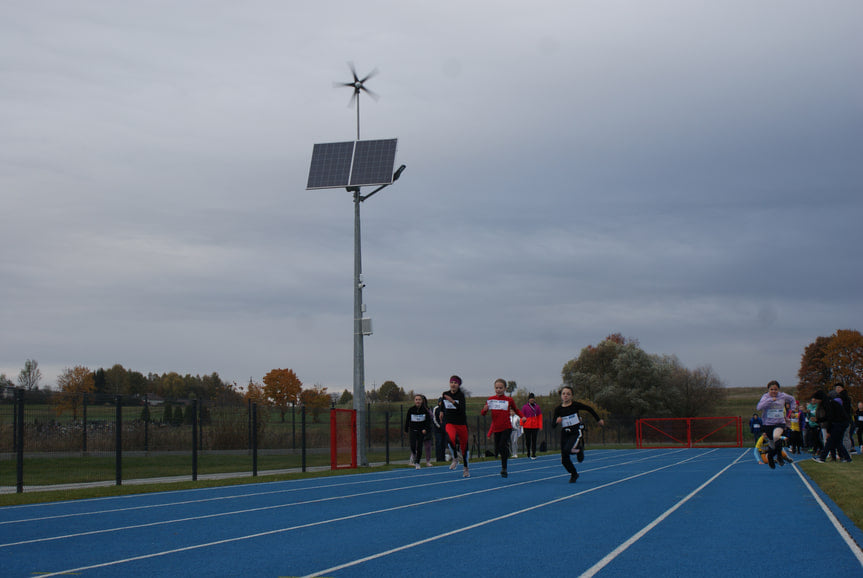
[358, 84]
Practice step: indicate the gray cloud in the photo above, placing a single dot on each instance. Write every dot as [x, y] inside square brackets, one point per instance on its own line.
[683, 173]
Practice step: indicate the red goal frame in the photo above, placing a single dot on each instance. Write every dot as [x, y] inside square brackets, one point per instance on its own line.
[689, 432]
[343, 439]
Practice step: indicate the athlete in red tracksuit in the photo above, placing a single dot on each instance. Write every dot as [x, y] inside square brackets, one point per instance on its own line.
[455, 416]
[501, 424]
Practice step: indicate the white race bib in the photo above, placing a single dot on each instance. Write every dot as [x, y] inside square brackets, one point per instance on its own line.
[417, 417]
[570, 420]
[775, 414]
[449, 404]
[498, 404]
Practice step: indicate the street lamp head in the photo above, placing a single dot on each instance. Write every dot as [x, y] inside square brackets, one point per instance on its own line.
[398, 173]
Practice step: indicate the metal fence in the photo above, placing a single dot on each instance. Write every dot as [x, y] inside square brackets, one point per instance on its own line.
[87, 438]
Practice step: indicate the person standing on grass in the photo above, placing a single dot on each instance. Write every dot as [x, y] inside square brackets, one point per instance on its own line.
[835, 422]
[774, 404]
[417, 424]
[500, 405]
[755, 426]
[571, 440]
[532, 423]
[813, 430]
[455, 416]
[858, 423]
[840, 392]
[795, 438]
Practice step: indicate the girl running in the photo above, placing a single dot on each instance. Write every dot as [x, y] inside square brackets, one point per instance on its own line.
[571, 440]
[774, 404]
[500, 405]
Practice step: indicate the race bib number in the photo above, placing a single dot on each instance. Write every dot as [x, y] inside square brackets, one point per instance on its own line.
[415, 417]
[776, 414]
[860, 418]
[449, 404]
[498, 404]
[756, 426]
[570, 420]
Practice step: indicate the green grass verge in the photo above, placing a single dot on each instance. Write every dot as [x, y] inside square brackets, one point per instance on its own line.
[841, 482]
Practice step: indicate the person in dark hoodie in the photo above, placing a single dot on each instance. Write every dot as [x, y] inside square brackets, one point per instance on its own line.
[842, 393]
[455, 416]
[417, 424]
[836, 422]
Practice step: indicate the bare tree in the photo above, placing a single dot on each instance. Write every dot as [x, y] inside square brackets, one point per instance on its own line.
[30, 376]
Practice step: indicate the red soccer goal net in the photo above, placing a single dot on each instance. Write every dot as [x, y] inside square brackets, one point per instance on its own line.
[689, 432]
[343, 439]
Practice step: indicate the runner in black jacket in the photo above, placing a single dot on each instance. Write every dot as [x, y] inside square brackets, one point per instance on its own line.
[418, 423]
[571, 441]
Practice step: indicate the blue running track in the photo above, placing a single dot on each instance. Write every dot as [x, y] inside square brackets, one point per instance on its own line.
[702, 512]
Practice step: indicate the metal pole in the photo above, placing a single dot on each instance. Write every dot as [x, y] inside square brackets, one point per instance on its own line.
[194, 440]
[118, 441]
[359, 365]
[19, 440]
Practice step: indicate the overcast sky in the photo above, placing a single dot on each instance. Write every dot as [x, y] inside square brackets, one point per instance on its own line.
[688, 174]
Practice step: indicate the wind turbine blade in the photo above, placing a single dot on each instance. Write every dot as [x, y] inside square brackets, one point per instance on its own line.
[353, 71]
[372, 94]
[369, 75]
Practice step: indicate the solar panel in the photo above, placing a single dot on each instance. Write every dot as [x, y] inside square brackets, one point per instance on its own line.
[352, 164]
[331, 165]
[373, 163]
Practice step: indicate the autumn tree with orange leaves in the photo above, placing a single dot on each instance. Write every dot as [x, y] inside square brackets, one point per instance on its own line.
[282, 388]
[831, 359]
[73, 383]
[316, 400]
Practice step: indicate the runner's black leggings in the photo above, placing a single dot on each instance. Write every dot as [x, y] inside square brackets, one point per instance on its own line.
[567, 442]
[530, 435]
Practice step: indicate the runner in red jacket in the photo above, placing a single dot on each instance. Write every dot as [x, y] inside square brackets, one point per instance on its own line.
[501, 426]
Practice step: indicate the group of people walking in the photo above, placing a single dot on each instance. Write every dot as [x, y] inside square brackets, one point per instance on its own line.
[448, 421]
[827, 422]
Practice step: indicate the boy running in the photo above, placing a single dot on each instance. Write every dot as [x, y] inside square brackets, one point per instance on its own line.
[455, 416]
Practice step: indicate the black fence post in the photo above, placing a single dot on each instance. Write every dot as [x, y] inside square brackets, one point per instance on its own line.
[194, 440]
[303, 432]
[293, 426]
[254, 440]
[387, 435]
[19, 440]
[250, 423]
[369, 425]
[146, 423]
[201, 424]
[118, 441]
[401, 430]
[84, 419]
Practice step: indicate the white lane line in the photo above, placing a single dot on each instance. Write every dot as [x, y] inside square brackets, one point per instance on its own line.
[220, 514]
[185, 502]
[852, 545]
[323, 522]
[491, 521]
[638, 535]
